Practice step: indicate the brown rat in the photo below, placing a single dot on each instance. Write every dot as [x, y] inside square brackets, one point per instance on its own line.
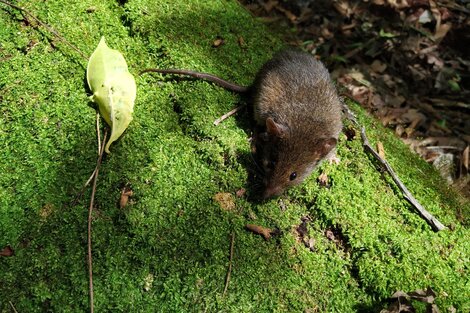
[297, 112]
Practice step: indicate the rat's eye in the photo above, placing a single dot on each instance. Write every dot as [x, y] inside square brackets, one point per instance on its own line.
[272, 165]
[293, 176]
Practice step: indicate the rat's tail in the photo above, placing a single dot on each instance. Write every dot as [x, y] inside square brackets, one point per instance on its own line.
[205, 76]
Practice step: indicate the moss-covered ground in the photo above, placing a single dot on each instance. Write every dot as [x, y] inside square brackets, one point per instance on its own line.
[168, 250]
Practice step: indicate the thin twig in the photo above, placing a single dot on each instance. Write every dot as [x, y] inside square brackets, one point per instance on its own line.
[229, 271]
[90, 210]
[226, 115]
[428, 217]
[13, 307]
[435, 224]
[49, 28]
[98, 131]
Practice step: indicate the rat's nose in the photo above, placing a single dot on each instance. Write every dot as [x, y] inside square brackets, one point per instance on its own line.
[271, 191]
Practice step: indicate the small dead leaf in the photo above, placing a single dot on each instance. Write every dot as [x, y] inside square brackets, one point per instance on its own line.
[330, 235]
[218, 42]
[269, 5]
[91, 9]
[310, 244]
[399, 130]
[148, 281]
[241, 42]
[396, 101]
[323, 179]
[465, 160]
[302, 228]
[380, 150]
[343, 7]
[442, 31]
[291, 16]
[126, 192]
[260, 230]
[241, 192]
[225, 200]
[377, 101]
[7, 251]
[46, 210]
[378, 66]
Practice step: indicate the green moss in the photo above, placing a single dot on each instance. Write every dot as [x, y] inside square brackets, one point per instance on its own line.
[168, 249]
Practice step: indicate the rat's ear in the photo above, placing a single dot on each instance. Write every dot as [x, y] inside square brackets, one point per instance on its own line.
[275, 129]
[326, 145]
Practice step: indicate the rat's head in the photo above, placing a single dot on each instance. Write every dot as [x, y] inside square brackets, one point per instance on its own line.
[287, 157]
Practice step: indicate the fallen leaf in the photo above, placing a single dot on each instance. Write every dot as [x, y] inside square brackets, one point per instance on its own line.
[269, 5]
[291, 16]
[466, 157]
[323, 179]
[260, 230]
[378, 66]
[125, 194]
[218, 42]
[330, 235]
[225, 201]
[343, 7]
[7, 251]
[91, 9]
[46, 210]
[113, 87]
[148, 282]
[241, 192]
[241, 42]
[380, 150]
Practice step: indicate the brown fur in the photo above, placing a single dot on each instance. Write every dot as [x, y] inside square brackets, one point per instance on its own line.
[295, 91]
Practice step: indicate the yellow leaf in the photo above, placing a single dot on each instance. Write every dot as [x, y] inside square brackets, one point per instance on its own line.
[113, 88]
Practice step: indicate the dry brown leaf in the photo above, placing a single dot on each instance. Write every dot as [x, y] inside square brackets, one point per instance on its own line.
[380, 150]
[91, 9]
[378, 66]
[241, 42]
[377, 101]
[7, 251]
[343, 7]
[291, 16]
[241, 192]
[46, 210]
[398, 4]
[330, 235]
[442, 31]
[225, 200]
[399, 130]
[260, 230]
[218, 42]
[464, 161]
[269, 5]
[323, 179]
[126, 192]
[396, 101]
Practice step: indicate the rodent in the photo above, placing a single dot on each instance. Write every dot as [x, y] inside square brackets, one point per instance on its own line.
[297, 113]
